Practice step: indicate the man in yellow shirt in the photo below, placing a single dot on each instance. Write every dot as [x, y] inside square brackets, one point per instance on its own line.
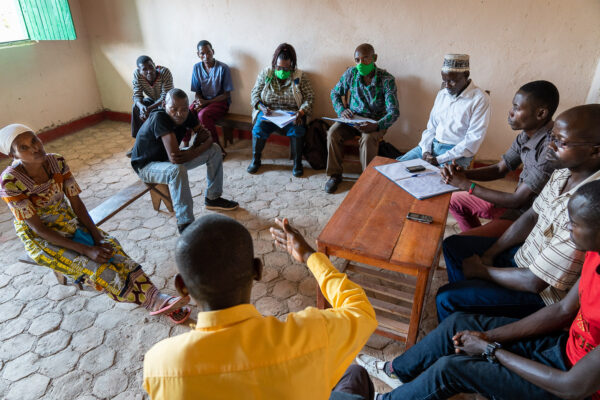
[236, 353]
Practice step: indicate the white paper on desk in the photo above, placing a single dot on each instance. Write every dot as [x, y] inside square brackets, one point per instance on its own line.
[280, 118]
[354, 121]
[422, 184]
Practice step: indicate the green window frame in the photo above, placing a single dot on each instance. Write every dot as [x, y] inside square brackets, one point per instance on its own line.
[48, 19]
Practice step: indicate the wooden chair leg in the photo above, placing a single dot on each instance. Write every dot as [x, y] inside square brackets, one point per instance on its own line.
[227, 135]
[160, 192]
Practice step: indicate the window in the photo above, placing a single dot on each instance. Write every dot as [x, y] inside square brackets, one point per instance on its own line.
[36, 20]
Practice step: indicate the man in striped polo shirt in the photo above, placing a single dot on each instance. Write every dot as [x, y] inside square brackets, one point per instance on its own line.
[535, 262]
[150, 86]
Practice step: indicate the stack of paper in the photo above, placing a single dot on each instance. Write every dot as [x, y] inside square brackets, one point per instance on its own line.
[354, 121]
[280, 118]
[422, 184]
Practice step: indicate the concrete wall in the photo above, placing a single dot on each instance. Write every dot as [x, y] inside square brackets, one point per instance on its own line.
[510, 42]
[49, 83]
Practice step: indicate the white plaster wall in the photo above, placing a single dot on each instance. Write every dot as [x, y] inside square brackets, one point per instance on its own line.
[49, 83]
[510, 42]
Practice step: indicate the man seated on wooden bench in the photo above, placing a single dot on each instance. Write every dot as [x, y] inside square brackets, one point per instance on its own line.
[458, 120]
[156, 157]
[237, 353]
[372, 94]
[504, 358]
[150, 86]
[504, 276]
[531, 112]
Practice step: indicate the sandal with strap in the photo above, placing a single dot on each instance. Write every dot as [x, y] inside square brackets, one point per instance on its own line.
[171, 304]
[179, 316]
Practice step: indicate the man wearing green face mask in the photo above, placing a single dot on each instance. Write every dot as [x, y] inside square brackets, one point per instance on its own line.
[367, 91]
[281, 86]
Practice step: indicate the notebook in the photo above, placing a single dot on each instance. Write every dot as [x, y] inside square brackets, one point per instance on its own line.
[422, 184]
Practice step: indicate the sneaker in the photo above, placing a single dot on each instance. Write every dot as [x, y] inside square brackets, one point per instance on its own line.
[181, 227]
[332, 184]
[220, 204]
[375, 368]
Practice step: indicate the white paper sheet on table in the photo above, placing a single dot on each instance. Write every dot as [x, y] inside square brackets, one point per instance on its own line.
[354, 121]
[280, 118]
[422, 184]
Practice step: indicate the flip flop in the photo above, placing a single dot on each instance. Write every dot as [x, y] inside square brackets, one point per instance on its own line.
[180, 316]
[171, 304]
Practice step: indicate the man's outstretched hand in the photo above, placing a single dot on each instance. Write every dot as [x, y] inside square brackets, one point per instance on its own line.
[290, 240]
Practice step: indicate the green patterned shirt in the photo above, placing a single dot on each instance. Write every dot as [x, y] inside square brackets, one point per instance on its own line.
[377, 101]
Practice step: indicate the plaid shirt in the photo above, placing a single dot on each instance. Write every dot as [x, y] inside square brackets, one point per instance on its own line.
[378, 100]
[278, 95]
[548, 251]
[157, 90]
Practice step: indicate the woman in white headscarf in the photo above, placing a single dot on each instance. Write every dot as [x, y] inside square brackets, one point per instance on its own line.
[60, 234]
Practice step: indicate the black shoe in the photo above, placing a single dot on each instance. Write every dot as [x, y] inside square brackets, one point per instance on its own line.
[254, 166]
[258, 145]
[128, 154]
[220, 204]
[296, 144]
[181, 228]
[332, 184]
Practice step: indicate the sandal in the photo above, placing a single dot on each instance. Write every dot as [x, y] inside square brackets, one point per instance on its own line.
[171, 304]
[180, 315]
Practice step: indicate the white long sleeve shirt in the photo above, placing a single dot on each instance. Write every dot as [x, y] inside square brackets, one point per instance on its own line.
[459, 120]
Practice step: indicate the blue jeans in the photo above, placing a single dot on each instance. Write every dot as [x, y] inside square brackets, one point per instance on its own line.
[262, 128]
[477, 295]
[176, 176]
[431, 370]
[438, 150]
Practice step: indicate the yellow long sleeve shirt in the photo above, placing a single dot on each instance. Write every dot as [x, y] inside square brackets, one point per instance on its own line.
[237, 353]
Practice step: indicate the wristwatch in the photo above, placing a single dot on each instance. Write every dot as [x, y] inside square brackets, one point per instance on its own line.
[490, 352]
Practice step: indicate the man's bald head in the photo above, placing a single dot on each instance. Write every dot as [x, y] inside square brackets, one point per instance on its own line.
[365, 49]
[583, 122]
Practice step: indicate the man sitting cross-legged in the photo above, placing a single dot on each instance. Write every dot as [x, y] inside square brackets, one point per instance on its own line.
[503, 358]
[458, 120]
[531, 112]
[236, 353]
[501, 277]
[156, 157]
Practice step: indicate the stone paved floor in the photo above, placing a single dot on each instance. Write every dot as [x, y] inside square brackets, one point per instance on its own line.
[61, 343]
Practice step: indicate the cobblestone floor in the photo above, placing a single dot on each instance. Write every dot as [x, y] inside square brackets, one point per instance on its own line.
[61, 343]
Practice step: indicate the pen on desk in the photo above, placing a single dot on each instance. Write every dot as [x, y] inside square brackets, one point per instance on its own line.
[424, 173]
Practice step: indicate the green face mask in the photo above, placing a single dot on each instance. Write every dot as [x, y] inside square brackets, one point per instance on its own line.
[365, 69]
[281, 74]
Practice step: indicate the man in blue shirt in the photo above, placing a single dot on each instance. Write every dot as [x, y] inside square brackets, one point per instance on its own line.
[211, 81]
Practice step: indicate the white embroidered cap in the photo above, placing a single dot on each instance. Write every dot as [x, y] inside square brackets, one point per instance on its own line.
[456, 63]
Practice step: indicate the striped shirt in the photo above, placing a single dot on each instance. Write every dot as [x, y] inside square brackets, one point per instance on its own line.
[548, 251]
[156, 90]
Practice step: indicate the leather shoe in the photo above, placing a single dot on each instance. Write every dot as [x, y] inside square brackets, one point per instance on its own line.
[332, 184]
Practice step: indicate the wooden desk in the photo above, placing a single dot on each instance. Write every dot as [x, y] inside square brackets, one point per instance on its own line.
[370, 227]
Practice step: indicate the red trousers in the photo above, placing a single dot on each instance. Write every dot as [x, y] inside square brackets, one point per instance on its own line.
[209, 115]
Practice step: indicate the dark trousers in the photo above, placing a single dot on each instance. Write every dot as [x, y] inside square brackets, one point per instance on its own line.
[479, 296]
[431, 370]
[354, 385]
[136, 121]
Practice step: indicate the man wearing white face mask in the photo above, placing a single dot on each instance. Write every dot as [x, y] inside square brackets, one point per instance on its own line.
[458, 120]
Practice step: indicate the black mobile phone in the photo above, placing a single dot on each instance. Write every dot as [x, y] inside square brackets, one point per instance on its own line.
[415, 168]
[426, 219]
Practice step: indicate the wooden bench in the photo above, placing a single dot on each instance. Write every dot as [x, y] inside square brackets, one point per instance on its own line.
[233, 121]
[111, 206]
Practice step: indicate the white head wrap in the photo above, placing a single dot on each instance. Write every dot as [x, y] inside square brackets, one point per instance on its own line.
[9, 133]
[456, 63]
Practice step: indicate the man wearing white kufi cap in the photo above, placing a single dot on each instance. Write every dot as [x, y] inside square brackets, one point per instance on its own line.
[458, 120]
